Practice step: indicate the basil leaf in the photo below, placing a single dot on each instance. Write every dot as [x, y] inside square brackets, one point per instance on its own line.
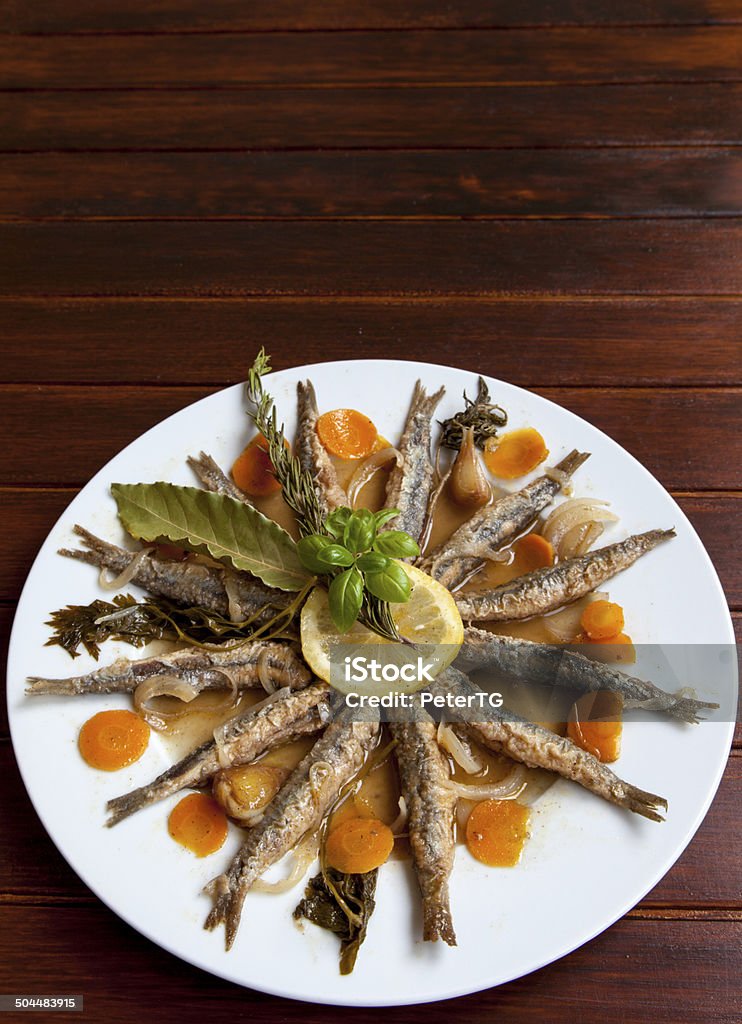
[346, 597]
[360, 532]
[334, 554]
[384, 516]
[392, 585]
[309, 549]
[215, 524]
[396, 544]
[337, 521]
[373, 561]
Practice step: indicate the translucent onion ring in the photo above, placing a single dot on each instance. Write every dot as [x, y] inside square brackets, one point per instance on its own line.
[124, 577]
[507, 789]
[448, 739]
[302, 855]
[367, 469]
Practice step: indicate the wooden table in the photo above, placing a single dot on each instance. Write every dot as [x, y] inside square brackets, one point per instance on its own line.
[546, 192]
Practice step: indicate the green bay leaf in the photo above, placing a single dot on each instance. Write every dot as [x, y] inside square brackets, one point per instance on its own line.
[213, 524]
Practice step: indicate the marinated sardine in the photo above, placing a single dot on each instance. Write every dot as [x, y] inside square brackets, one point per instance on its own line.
[243, 739]
[549, 588]
[241, 667]
[494, 525]
[552, 665]
[312, 455]
[411, 480]
[187, 583]
[297, 809]
[431, 806]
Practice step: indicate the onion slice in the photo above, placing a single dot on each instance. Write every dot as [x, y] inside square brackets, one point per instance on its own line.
[124, 577]
[448, 740]
[367, 469]
[234, 609]
[164, 685]
[302, 856]
[560, 528]
[507, 789]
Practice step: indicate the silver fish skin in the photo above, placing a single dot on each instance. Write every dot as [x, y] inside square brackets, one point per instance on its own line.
[431, 807]
[312, 454]
[494, 525]
[411, 480]
[186, 583]
[245, 738]
[552, 665]
[507, 733]
[206, 670]
[550, 588]
[215, 479]
[297, 810]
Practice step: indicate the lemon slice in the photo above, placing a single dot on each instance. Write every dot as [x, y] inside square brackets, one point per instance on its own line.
[430, 618]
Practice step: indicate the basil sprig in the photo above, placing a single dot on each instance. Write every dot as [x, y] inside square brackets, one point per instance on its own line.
[359, 560]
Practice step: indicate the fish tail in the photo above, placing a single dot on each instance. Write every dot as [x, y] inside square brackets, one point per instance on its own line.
[572, 462]
[641, 802]
[37, 684]
[227, 908]
[424, 402]
[123, 806]
[99, 552]
[686, 709]
[437, 921]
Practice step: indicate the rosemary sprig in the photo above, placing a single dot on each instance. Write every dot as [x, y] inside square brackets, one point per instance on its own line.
[299, 491]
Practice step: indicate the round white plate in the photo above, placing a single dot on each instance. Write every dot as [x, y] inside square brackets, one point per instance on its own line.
[586, 863]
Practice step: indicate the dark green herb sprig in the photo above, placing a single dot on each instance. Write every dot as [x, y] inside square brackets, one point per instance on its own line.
[297, 485]
[483, 415]
[359, 560]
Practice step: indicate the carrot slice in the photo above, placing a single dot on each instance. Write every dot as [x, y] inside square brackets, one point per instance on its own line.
[602, 620]
[533, 552]
[496, 832]
[198, 823]
[359, 845]
[253, 470]
[516, 454]
[113, 739]
[347, 433]
[589, 728]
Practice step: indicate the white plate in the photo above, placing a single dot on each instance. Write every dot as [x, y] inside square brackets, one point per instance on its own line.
[587, 862]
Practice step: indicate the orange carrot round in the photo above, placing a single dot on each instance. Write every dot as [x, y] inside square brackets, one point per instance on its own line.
[347, 433]
[198, 823]
[602, 620]
[113, 739]
[596, 735]
[533, 552]
[516, 453]
[359, 845]
[253, 470]
[496, 831]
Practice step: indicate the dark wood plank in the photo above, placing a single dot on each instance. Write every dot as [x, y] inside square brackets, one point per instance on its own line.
[475, 183]
[708, 53]
[580, 341]
[370, 258]
[7, 611]
[685, 971]
[32, 514]
[485, 118]
[99, 422]
[716, 518]
[587, 341]
[262, 15]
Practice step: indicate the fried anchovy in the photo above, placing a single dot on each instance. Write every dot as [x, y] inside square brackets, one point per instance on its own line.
[411, 481]
[493, 526]
[297, 809]
[431, 806]
[215, 479]
[549, 588]
[205, 670]
[507, 733]
[245, 737]
[313, 456]
[552, 665]
[187, 583]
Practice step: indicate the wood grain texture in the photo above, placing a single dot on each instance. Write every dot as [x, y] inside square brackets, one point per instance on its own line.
[371, 258]
[564, 55]
[696, 972]
[446, 118]
[263, 15]
[99, 423]
[577, 341]
[473, 183]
